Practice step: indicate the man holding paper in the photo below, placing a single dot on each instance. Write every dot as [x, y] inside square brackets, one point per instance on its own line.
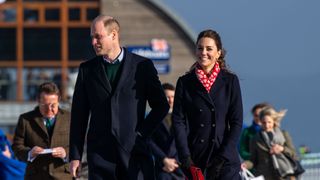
[42, 137]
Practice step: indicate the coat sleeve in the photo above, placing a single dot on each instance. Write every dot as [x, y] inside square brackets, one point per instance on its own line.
[20, 150]
[157, 151]
[289, 149]
[244, 144]
[156, 99]
[179, 122]
[253, 148]
[234, 119]
[79, 117]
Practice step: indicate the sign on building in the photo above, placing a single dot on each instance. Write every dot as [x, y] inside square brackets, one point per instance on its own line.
[158, 51]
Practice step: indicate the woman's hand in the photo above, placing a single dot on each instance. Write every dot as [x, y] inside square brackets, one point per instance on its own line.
[276, 149]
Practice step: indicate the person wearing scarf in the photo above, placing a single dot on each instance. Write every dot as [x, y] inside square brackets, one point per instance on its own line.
[249, 132]
[207, 114]
[271, 147]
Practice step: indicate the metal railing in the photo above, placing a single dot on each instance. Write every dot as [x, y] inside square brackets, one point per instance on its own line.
[311, 163]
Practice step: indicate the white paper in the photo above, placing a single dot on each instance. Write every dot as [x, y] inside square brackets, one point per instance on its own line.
[46, 151]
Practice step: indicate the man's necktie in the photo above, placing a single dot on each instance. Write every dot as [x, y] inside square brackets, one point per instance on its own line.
[49, 126]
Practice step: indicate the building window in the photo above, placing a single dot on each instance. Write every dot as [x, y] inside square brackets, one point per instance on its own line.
[8, 44]
[42, 37]
[42, 44]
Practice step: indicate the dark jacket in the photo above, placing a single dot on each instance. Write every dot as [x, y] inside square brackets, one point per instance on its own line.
[208, 124]
[30, 132]
[246, 137]
[163, 145]
[115, 113]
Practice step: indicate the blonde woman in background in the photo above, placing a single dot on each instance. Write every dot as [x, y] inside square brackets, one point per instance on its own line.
[271, 147]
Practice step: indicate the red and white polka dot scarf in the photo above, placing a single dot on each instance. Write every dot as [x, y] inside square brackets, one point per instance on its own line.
[207, 80]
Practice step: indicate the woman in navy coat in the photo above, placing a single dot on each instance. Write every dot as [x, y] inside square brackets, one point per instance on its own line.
[207, 113]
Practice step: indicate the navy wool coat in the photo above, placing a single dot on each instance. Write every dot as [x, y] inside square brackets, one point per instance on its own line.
[116, 115]
[208, 124]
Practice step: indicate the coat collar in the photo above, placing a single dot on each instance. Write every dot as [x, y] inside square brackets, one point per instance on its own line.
[102, 77]
[100, 73]
[209, 97]
[126, 69]
[40, 122]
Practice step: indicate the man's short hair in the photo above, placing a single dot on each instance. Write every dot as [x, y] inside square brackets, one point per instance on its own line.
[48, 88]
[168, 86]
[109, 22]
[260, 106]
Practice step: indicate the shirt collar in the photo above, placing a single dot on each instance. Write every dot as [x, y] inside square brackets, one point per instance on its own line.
[51, 119]
[119, 58]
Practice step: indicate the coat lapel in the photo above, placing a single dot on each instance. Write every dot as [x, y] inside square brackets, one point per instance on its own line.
[220, 82]
[101, 74]
[39, 121]
[59, 123]
[126, 69]
[209, 97]
[166, 125]
[199, 89]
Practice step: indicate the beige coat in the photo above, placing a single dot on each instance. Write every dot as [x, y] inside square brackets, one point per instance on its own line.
[30, 132]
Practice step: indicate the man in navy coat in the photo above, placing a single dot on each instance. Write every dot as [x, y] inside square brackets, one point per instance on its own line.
[112, 89]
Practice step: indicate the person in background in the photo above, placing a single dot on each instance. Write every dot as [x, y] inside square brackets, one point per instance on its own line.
[303, 150]
[207, 114]
[270, 145]
[41, 137]
[113, 89]
[249, 132]
[10, 169]
[5, 147]
[163, 144]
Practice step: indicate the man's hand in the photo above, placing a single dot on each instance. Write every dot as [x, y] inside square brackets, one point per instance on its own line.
[59, 152]
[75, 168]
[35, 151]
[170, 164]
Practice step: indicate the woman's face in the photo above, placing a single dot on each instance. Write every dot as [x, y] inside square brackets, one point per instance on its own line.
[207, 53]
[267, 123]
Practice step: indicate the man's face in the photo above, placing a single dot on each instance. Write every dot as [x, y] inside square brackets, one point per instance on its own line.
[48, 104]
[170, 97]
[102, 41]
[256, 116]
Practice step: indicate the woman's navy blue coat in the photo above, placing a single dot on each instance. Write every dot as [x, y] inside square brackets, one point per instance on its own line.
[208, 124]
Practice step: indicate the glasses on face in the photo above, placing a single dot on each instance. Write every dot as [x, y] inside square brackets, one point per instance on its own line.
[49, 106]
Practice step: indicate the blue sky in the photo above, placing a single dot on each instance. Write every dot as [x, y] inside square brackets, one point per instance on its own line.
[273, 46]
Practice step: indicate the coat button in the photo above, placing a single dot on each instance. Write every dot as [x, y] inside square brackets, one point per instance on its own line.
[212, 140]
[212, 109]
[200, 110]
[202, 140]
[213, 125]
[201, 125]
